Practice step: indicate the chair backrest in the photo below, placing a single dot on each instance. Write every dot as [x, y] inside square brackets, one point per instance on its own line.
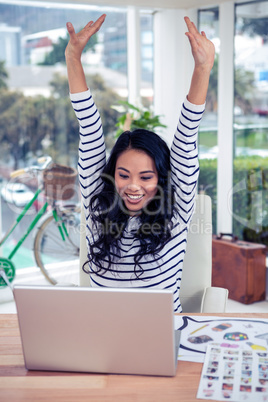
[197, 268]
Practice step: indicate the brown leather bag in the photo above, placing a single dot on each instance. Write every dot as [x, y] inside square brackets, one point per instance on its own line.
[240, 267]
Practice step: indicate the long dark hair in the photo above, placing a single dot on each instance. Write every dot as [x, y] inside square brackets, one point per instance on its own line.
[109, 215]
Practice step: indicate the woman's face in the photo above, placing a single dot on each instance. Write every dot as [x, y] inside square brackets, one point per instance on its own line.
[136, 179]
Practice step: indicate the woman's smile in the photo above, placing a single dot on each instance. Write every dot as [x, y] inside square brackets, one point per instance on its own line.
[134, 198]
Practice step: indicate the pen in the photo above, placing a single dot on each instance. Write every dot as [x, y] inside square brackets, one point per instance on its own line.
[198, 329]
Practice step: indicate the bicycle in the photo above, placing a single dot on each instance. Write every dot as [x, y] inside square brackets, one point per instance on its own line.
[57, 226]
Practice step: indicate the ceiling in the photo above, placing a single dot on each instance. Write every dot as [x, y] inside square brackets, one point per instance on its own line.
[183, 4]
[156, 3]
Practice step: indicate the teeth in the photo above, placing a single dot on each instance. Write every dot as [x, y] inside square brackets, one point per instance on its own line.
[134, 197]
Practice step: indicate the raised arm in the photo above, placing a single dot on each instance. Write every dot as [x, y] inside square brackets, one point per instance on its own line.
[73, 52]
[184, 150]
[92, 155]
[203, 53]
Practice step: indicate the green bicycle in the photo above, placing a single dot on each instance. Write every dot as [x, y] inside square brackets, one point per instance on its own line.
[57, 226]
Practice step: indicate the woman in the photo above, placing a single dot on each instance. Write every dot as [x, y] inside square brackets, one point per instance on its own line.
[138, 204]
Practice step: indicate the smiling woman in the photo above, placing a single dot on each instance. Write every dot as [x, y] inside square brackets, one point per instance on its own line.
[139, 203]
[138, 169]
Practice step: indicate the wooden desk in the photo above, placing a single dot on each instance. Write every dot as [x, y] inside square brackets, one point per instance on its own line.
[17, 384]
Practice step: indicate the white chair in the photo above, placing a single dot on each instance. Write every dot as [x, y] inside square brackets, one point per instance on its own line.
[196, 293]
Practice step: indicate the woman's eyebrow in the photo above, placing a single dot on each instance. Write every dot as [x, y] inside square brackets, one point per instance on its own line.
[123, 169]
[144, 172]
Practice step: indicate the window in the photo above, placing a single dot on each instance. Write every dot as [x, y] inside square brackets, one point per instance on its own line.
[208, 148]
[35, 112]
[251, 122]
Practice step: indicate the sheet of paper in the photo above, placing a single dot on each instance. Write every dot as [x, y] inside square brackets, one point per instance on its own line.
[198, 332]
[234, 374]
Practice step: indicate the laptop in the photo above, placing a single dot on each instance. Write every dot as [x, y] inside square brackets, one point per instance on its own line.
[97, 330]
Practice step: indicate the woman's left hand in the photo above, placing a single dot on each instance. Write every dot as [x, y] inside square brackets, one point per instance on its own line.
[79, 40]
[203, 49]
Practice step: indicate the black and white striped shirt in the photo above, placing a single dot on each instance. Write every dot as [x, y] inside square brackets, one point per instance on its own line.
[163, 271]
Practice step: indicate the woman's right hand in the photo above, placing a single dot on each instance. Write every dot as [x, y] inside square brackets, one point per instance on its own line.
[79, 40]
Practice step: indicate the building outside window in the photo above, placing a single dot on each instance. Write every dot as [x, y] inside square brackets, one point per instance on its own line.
[115, 53]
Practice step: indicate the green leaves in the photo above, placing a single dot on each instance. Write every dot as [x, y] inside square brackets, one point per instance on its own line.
[134, 118]
[3, 75]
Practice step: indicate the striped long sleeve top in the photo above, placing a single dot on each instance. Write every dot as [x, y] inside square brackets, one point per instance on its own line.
[163, 270]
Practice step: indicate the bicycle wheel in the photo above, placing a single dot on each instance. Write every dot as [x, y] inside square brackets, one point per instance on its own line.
[58, 259]
[7, 271]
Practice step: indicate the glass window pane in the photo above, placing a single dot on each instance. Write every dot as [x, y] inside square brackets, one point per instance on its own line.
[35, 112]
[208, 133]
[147, 58]
[250, 199]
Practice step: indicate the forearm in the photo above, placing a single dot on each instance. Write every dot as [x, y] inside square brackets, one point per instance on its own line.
[92, 155]
[184, 149]
[184, 158]
[199, 86]
[76, 75]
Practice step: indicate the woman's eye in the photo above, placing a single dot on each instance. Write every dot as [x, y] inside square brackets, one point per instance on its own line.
[146, 177]
[123, 176]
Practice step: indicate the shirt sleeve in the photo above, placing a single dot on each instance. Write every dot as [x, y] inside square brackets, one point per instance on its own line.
[91, 153]
[184, 160]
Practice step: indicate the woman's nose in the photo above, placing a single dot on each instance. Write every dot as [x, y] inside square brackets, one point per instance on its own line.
[134, 185]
